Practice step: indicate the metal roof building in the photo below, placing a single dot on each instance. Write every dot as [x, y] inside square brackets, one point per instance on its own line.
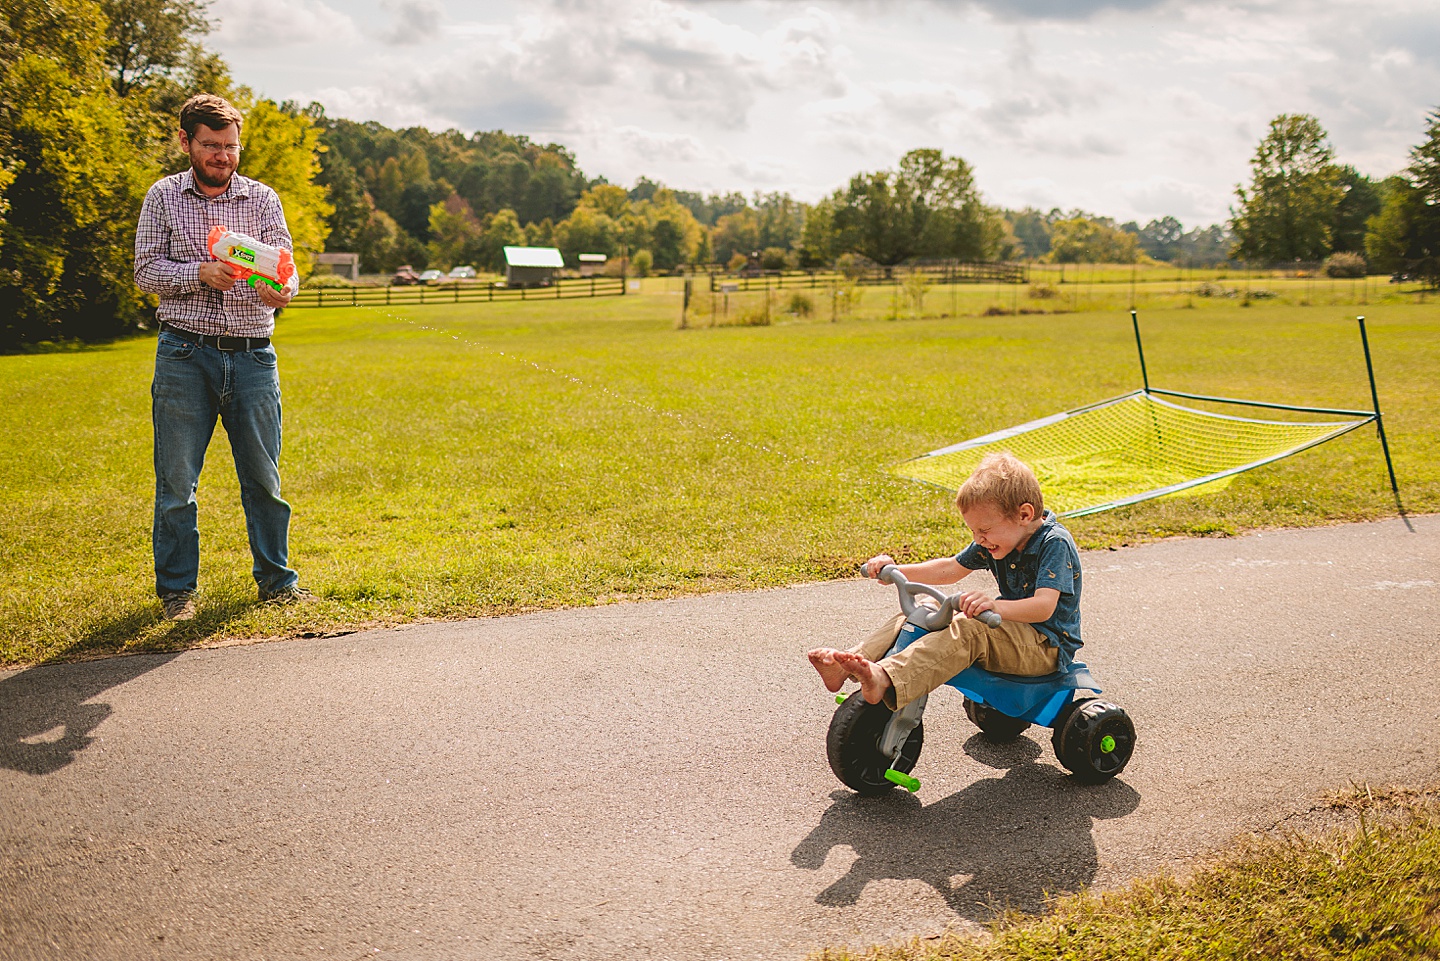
[531, 266]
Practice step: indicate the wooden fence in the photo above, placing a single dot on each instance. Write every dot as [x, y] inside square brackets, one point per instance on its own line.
[457, 293]
[935, 273]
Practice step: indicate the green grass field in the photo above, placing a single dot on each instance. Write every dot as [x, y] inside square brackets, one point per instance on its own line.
[481, 459]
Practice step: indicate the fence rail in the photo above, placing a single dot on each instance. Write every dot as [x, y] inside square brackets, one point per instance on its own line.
[935, 273]
[457, 293]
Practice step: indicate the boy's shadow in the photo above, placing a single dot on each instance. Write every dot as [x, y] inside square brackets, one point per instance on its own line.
[1004, 842]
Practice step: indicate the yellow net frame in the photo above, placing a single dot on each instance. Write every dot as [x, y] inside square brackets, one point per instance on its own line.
[1133, 448]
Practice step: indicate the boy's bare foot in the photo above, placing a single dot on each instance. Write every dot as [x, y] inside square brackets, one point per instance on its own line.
[830, 672]
[874, 682]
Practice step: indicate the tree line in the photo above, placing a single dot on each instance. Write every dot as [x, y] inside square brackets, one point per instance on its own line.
[90, 92]
[430, 199]
[1301, 205]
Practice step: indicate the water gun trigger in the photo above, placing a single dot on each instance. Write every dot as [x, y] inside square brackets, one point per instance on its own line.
[255, 280]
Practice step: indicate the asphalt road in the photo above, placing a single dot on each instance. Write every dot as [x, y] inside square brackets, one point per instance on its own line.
[649, 780]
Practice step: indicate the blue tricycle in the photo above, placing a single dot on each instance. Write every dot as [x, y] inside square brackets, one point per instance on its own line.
[872, 749]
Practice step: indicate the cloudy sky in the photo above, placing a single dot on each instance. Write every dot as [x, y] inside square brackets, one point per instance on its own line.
[1129, 108]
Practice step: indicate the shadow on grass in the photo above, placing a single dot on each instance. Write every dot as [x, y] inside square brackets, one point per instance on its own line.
[76, 346]
[48, 711]
[1008, 842]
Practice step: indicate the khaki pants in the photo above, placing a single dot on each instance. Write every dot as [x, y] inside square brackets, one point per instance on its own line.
[1011, 648]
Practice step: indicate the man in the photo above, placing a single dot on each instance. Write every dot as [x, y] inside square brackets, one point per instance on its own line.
[214, 356]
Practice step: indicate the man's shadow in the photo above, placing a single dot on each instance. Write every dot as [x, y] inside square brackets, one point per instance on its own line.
[1003, 842]
[46, 714]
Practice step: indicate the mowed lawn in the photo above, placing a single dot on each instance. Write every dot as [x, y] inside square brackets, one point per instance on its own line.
[464, 460]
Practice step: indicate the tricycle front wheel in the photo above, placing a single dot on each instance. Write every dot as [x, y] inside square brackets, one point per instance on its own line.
[852, 746]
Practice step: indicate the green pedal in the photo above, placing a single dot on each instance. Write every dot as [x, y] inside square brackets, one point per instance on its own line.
[911, 784]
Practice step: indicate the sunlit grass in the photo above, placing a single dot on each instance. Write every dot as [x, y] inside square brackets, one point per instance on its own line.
[449, 461]
[1370, 892]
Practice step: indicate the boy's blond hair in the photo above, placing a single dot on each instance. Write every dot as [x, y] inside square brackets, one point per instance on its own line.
[1002, 480]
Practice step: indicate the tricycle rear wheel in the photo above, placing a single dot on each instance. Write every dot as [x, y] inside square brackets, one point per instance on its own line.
[1094, 739]
[994, 725]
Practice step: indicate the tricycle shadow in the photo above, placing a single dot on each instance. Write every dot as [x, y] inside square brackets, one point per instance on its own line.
[1004, 842]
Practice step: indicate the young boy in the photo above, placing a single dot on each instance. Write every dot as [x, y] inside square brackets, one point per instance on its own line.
[1034, 561]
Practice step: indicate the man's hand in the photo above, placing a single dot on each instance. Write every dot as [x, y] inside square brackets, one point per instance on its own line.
[271, 297]
[217, 274]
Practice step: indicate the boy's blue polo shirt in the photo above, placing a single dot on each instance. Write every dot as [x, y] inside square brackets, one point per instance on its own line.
[1048, 559]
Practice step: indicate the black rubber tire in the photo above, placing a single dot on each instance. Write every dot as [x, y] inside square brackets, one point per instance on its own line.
[852, 746]
[996, 727]
[1080, 739]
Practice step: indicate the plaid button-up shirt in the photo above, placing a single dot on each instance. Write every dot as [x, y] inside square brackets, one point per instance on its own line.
[175, 222]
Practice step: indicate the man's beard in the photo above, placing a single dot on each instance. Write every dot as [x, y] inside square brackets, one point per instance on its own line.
[209, 179]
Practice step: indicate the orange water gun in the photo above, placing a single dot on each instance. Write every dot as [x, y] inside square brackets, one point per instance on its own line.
[254, 262]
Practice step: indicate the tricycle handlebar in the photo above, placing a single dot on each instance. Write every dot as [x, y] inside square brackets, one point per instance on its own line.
[930, 618]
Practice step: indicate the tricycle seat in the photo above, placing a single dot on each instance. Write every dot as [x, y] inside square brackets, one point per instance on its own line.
[1038, 699]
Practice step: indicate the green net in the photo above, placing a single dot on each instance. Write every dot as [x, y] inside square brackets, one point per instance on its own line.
[1129, 449]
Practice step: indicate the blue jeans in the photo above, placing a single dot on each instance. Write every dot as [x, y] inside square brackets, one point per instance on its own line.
[193, 384]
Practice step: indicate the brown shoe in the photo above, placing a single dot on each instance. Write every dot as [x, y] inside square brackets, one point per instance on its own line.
[179, 606]
[294, 594]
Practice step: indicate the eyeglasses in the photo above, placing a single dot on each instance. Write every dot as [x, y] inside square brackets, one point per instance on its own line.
[230, 148]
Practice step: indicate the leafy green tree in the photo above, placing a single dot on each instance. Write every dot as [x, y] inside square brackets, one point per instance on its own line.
[817, 238]
[1081, 239]
[540, 234]
[388, 186]
[929, 207]
[608, 199]
[147, 40]
[502, 229]
[75, 182]
[1404, 238]
[377, 243]
[952, 220]
[352, 207]
[281, 147]
[737, 232]
[1360, 202]
[782, 220]
[454, 232]
[586, 231]
[873, 219]
[1289, 209]
[1160, 238]
[1032, 229]
[671, 232]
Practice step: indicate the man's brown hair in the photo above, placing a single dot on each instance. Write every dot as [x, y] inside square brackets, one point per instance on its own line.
[214, 112]
[1002, 480]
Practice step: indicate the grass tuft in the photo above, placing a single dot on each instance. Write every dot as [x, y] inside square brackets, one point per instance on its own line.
[1367, 893]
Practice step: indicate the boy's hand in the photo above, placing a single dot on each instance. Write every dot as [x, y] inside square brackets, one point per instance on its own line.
[876, 564]
[973, 603]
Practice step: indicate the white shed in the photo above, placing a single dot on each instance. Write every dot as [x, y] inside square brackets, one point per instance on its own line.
[531, 266]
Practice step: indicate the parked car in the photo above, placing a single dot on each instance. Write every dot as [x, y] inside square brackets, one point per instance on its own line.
[432, 277]
[404, 275]
[462, 273]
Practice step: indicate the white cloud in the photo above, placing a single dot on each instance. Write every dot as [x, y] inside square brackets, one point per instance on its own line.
[414, 21]
[271, 24]
[1130, 108]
